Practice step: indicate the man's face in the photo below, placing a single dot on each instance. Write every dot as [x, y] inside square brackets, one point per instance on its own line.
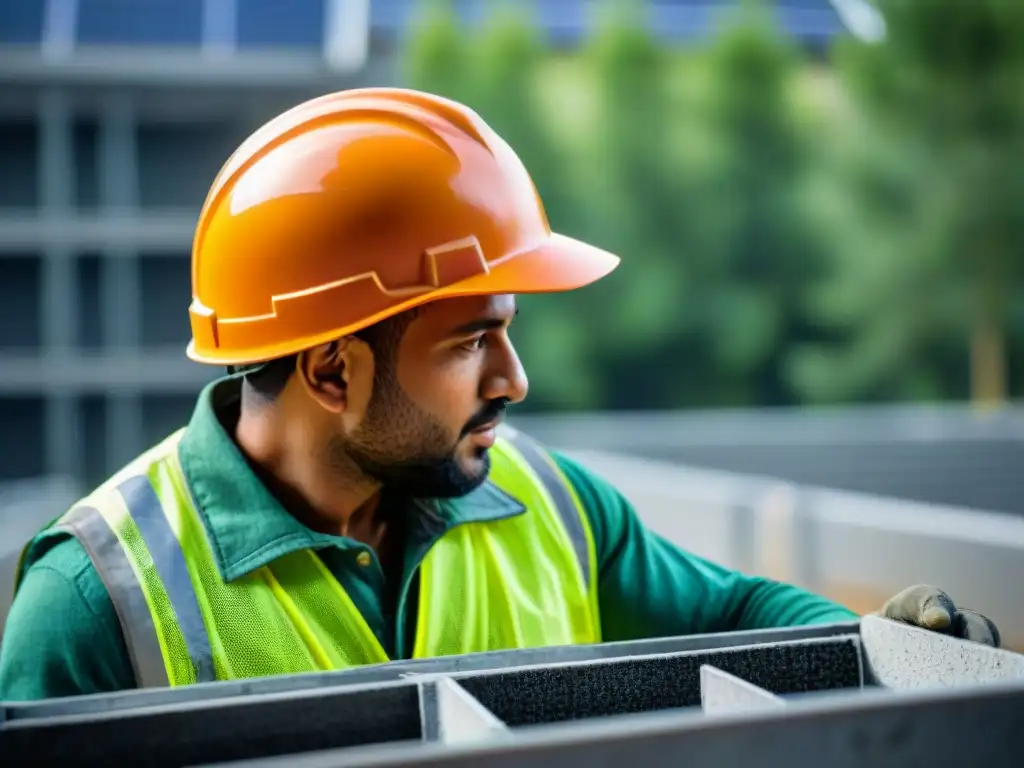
[437, 396]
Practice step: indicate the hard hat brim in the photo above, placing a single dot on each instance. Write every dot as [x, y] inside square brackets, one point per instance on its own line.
[559, 264]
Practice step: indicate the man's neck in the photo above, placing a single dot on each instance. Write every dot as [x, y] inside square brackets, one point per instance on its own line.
[286, 457]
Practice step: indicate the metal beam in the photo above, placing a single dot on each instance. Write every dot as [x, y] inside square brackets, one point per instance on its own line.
[24, 231]
[157, 371]
[155, 67]
[58, 300]
[120, 287]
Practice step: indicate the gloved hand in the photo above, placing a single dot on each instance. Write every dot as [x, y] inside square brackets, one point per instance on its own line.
[930, 608]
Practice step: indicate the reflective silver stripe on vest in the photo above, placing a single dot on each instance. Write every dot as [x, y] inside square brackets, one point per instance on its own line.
[567, 510]
[169, 561]
[111, 563]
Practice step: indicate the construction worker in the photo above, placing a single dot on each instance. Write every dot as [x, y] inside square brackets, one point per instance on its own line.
[344, 496]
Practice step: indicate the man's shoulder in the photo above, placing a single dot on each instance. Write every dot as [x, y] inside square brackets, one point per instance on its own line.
[61, 635]
[58, 552]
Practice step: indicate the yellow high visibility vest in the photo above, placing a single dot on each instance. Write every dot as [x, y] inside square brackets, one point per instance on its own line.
[524, 581]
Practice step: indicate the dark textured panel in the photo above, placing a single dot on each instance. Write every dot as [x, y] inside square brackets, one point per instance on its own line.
[217, 731]
[546, 695]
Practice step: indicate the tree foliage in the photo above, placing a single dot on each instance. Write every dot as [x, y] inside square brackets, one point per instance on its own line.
[789, 231]
[927, 271]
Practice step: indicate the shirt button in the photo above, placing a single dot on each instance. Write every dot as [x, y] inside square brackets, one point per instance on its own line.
[363, 558]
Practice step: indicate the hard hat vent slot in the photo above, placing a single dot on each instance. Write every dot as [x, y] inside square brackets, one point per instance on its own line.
[454, 262]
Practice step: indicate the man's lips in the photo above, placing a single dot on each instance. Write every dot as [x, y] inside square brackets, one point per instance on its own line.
[485, 434]
[483, 427]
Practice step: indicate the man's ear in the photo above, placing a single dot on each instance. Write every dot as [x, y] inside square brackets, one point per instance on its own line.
[338, 375]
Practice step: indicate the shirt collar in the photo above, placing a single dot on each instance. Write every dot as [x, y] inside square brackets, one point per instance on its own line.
[246, 525]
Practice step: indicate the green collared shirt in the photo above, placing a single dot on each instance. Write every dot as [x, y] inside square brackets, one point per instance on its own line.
[62, 636]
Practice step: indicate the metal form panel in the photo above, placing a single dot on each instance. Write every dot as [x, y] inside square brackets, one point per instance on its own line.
[398, 670]
[212, 731]
[721, 692]
[901, 657]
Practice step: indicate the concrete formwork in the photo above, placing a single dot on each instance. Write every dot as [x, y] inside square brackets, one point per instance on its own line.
[869, 692]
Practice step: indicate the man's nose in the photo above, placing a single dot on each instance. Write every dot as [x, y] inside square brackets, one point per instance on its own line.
[507, 379]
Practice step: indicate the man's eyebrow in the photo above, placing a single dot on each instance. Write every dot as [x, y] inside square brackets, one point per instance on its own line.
[481, 324]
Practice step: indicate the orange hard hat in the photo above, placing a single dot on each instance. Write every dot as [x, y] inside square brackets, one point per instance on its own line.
[358, 205]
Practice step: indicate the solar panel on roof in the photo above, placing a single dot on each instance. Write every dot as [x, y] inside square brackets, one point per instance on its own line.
[21, 21]
[261, 24]
[140, 22]
[280, 23]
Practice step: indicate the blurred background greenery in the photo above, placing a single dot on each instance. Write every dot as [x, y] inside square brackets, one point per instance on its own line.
[794, 228]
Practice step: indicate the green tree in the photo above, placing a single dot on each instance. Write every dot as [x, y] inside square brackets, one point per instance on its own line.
[939, 206]
[760, 247]
[436, 55]
[640, 318]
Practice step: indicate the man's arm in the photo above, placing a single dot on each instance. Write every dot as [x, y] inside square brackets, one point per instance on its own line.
[62, 636]
[648, 587]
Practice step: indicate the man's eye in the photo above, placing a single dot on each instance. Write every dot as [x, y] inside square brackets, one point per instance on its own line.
[478, 343]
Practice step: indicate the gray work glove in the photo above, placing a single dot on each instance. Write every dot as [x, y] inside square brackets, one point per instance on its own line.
[930, 608]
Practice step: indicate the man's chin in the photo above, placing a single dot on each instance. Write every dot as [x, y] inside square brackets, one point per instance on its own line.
[448, 479]
[466, 475]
